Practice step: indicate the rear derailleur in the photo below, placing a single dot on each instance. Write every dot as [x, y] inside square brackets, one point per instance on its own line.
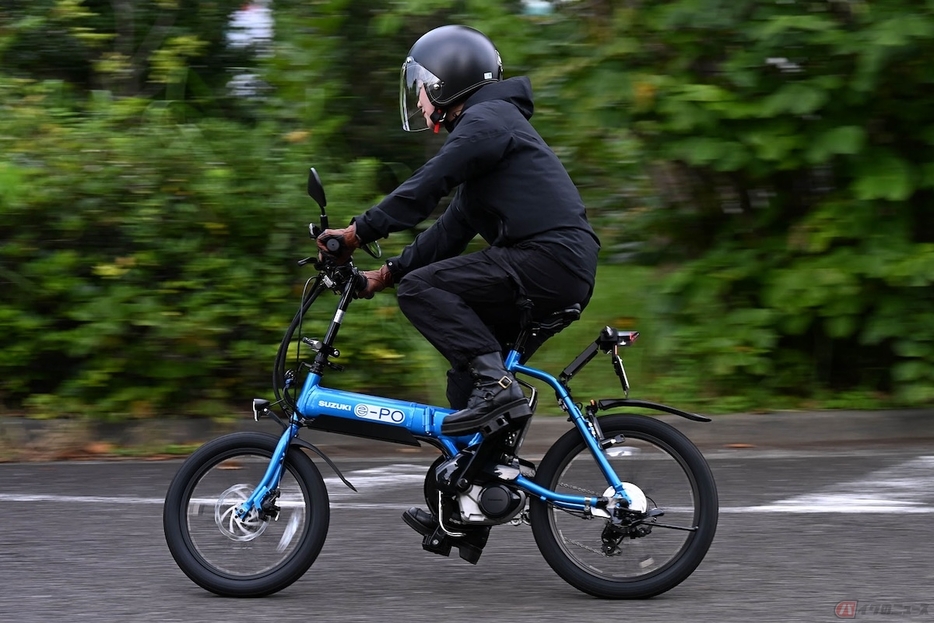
[625, 523]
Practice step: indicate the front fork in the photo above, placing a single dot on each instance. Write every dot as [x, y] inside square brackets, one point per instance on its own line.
[270, 481]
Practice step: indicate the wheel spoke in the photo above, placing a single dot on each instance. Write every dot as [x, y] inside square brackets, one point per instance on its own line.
[648, 466]
[626, 556]
[241, 555]
[221, 542]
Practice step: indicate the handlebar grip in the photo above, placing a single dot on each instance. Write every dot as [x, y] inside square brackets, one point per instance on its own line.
[334, 243]
[359, 282]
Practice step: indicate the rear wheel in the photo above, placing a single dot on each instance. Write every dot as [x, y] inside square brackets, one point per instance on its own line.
[652, 556]
[250, 556]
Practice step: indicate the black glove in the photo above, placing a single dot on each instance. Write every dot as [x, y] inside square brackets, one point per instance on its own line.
[346, 239]
[376, 281]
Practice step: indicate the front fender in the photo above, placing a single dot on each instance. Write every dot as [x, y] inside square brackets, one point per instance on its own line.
[310, 446]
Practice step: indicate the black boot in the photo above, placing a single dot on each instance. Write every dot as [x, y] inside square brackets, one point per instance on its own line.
[469, 546]
[496, 393]
[422, 522]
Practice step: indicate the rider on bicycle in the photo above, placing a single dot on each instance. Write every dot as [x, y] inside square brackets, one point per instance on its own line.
[511, 189]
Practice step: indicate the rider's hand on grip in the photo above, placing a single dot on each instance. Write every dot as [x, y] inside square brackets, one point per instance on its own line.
[339, 244]
[376, 281]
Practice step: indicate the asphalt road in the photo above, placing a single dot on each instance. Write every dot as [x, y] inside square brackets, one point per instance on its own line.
[799, 532]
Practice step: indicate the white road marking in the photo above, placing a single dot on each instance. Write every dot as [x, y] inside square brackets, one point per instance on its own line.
[370, 480]
[907, 488]
[96, 499]
[378, 479]
[904, 488]
[76, 499]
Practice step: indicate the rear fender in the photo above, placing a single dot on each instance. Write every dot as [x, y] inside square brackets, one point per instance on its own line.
[616, 403]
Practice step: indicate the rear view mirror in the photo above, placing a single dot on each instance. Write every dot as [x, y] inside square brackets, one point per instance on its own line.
[316, 188]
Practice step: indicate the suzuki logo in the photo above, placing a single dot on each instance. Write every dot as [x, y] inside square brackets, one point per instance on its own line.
[334, 405]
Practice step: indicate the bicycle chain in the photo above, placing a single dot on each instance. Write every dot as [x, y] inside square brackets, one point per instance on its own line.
[563, 484]
[587, 547]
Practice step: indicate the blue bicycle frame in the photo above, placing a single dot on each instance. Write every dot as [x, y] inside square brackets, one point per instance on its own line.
[401, 419]
[405, 422]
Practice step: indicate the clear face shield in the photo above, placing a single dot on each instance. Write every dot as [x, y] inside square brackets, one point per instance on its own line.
[413, 97]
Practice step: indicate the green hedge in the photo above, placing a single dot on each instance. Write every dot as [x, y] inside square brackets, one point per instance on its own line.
[147, 265]
[770, 165]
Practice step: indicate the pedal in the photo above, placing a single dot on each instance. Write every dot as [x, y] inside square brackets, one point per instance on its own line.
[511, 415]
[494, 426]
[437, 543]
[469, 546]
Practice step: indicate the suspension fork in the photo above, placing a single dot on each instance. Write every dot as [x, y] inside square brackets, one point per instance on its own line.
[273, 475]
[270, 480]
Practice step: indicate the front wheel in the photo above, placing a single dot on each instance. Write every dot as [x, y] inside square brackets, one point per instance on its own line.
[254, 555]
[653, 556]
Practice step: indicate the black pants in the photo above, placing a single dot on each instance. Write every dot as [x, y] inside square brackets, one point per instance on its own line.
[467, 305]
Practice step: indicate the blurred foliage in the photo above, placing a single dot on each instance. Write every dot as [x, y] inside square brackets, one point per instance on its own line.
[773, 163]
[793, 155]
[131, 48]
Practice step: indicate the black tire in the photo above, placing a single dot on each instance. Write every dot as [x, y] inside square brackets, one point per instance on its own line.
[674, 476]
[217, 552]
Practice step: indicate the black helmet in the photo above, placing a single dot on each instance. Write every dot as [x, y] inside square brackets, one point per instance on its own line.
[451, 62]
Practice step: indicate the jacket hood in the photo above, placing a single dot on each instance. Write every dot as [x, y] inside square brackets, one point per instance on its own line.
[517, 91]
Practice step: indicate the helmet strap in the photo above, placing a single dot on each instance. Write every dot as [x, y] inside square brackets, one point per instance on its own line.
[437, 118]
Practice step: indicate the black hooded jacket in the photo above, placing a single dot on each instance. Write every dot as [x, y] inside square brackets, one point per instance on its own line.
[511, 189]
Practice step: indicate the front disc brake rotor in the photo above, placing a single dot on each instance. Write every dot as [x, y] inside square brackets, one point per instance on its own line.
[228, 520]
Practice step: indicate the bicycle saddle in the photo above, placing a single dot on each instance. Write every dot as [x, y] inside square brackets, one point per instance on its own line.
[556, 321]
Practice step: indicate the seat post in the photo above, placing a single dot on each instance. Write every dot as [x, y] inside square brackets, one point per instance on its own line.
[526, 324]
[550, 324]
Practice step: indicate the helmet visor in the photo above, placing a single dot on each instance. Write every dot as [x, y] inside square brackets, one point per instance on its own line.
[414, 104]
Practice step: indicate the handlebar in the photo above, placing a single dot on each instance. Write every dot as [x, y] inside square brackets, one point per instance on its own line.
[337, 274]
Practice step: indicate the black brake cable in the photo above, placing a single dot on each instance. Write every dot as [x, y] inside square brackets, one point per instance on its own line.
[302, 310]
[279, 368]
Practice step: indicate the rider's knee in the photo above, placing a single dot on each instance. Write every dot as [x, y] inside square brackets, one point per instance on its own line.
[411, 283]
